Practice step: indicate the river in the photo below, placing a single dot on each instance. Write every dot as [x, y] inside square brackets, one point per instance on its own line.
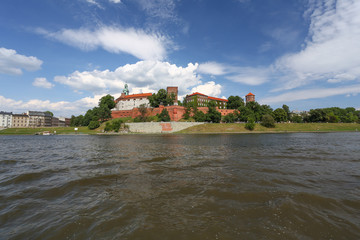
[240, 186]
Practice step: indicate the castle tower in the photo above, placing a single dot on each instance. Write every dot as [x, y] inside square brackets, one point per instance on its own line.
[250, 97]
[174, 91]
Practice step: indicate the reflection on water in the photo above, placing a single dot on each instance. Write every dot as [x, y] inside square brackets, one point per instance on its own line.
[256, 186]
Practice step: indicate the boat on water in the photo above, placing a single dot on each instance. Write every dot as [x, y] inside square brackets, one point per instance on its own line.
[47, 133]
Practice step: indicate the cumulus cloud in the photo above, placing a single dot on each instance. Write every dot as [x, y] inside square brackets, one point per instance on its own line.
[43, 83]
[143, 76]
[209, 88]
[142, 45]
[312, 94]
[332, 50]
[61, 108]
[246, 75]
[12, 63]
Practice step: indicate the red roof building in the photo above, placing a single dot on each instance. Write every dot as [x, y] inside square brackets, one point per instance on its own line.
[202, 100]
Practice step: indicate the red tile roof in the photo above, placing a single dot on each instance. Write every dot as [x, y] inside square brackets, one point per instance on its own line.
[250, 94]
[197, 93]
[132, 96]
[218, 99]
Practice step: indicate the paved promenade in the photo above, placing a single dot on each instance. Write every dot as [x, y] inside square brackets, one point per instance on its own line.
[160, 127]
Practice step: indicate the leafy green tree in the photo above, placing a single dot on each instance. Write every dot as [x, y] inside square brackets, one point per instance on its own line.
[143, 112]
[161, 97]
[297, 119]
[213, 115]
[250, 125]
[93, 125]
[199, 116]
[187, 112]
[287, 110]
[234, 102]
[230, 118]
[332, 118]
[268, 121]
[164, 116]
[107, 101]
[49, 113]
[280, 115]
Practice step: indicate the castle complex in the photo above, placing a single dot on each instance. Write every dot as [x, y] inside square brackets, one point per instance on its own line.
[128, 105]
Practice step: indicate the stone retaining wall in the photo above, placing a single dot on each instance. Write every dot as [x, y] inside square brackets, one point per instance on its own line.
[160, 127]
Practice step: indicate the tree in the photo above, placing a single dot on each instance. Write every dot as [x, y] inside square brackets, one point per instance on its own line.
[268, 121]
[250, 125]
[143, 112]
[107, 101]
[280, 115]
[297, 118]
[49, 113]
[164, 116]
[213, 115]
[199, 116]
[161, 97]
[287, 110]
[93, 125]
[230, 118]
[234, 102]
[187, 112]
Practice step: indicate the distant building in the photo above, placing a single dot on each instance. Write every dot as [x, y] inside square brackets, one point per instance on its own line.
[55, 122]
[202, 100]
[39, 119]
[250, 97]
[20, 120]
[64, 122]
[5, 119]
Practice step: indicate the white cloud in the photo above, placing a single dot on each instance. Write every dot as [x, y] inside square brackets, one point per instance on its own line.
[43, 83]
[213, 68]
[136, 42]
[164, 9]
[333, 49]
[115, 1]
[246, 75]
[312, 94]
[210, 88]
[143, 76]
[13, 63]
[61, 108]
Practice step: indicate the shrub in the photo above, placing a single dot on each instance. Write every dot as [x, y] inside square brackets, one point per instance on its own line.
[268, 121]
[250, 125]
[199, 116]
[93, 125]
[164, 116]
[230, 118]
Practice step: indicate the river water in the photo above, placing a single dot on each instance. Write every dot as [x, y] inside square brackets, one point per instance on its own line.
[248, 186]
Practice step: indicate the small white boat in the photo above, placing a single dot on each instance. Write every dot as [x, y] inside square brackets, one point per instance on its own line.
[47, 133]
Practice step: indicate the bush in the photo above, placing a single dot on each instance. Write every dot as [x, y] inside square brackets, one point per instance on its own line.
[199, 116]
[250, 125]
[268, 121]
[164, 116]
[230, 118]
[93, 125]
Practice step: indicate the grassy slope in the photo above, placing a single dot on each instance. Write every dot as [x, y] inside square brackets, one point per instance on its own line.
[59, 130]
[280, 127]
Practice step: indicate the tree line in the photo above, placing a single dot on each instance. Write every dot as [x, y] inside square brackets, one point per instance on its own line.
[250, 113]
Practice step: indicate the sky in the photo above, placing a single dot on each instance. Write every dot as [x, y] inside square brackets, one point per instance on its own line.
[64, 55]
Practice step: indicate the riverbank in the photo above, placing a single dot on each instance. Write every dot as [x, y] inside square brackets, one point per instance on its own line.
[279, 128]
[207, 128]
[58, 130]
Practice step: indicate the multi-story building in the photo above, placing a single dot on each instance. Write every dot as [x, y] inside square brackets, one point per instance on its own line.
[20, 121]
[39, 119]
[202, 100]
[55, 122]
[5, 119]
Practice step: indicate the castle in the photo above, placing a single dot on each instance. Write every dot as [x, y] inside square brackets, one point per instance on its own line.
[128, 105]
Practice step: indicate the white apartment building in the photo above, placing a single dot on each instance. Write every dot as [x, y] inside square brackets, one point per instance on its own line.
[5, 119]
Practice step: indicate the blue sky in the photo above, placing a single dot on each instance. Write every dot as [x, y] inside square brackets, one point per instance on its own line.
[64, 55]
